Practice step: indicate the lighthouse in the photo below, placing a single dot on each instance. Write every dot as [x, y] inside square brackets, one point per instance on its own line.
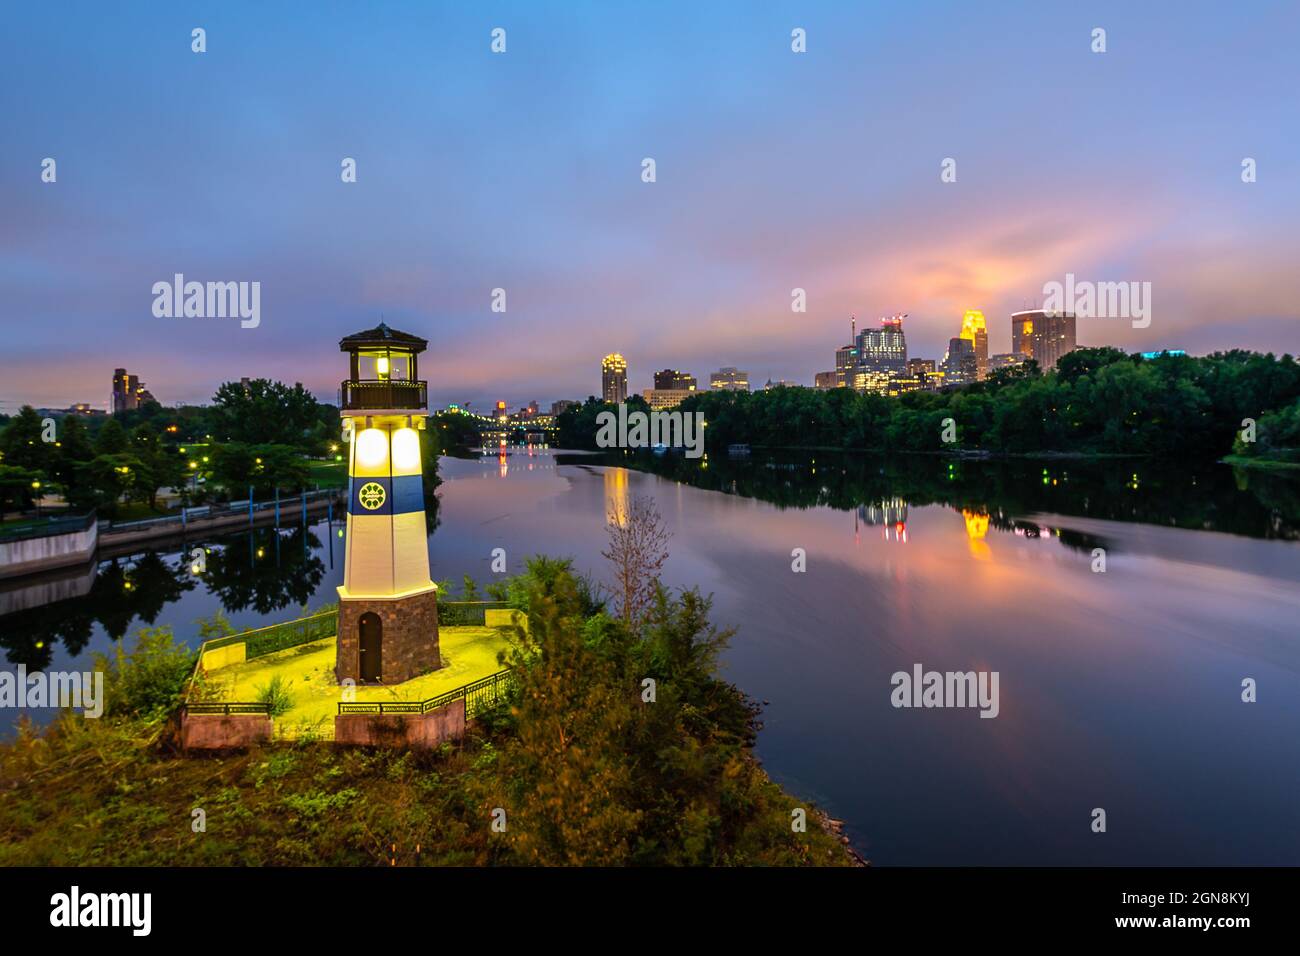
[388, 605]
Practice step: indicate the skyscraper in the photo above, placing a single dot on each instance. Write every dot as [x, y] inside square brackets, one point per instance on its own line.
[129, 392]
[613, 378]
[883, 349]
[1043, 336]
[974, 330]
[959, 365]
[846, 363]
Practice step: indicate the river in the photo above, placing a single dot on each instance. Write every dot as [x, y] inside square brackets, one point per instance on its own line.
[1118, 690]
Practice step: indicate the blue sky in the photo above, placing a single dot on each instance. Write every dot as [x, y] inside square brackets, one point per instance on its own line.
[522, 170]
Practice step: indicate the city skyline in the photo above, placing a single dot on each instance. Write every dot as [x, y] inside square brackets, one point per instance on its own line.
[775, 171]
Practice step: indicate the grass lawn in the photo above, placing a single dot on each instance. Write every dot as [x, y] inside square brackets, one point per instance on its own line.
[468, 653]
[327, 474]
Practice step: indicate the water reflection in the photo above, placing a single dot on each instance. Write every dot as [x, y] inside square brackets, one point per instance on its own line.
[263, 570]
[1205, 497]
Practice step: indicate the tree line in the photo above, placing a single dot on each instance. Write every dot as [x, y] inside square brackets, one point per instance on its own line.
[1096, 401]
[257, 435]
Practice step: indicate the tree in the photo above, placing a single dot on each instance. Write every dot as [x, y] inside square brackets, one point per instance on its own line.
[16, 487]
[637, 550]
[73, 449]
[102, 481]
[265, 467]
[270, 413]
[112, 439]
[23, 442]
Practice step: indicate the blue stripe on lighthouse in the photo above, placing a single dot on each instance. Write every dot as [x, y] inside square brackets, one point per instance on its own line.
[408, 494]
[401, 495]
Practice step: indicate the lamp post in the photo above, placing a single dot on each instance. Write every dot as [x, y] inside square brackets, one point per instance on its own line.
[36, 487]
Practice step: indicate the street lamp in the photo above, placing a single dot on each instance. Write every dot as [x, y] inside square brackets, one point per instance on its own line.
[36, 487]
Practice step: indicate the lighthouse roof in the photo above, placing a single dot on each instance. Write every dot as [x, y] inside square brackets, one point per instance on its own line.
[382, 336]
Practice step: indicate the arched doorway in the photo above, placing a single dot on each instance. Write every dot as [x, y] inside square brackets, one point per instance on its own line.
[371, 644]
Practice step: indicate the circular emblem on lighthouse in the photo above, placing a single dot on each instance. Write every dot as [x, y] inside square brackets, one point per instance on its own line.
[371, 495]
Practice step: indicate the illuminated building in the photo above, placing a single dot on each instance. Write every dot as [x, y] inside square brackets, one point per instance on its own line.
[1005, 360]
[124, 386]
[824, 381]
[388, 614]
[883, 349]
[846, 362]
[1043, 336]
[613, 378]
[670, 380]
[923, 371]
[562, 406]
[729, 379]
[959, 365]
[661, 398]
[974, 330]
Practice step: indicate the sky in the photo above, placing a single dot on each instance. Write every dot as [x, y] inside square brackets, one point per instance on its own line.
[522, 170]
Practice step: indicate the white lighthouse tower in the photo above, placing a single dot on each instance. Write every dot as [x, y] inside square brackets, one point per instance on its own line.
[388, 605]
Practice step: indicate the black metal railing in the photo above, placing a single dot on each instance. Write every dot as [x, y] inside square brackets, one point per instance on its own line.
[279, 637]
[227, 708]
[394, 393]
[481, 695]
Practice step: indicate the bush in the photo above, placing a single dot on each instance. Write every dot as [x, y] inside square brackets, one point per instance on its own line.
[277, 696]
[150, 681]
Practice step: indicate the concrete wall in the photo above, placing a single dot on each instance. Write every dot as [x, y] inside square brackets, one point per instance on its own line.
[224, 656]
[51, 551]
[223, 731]
[402, 730]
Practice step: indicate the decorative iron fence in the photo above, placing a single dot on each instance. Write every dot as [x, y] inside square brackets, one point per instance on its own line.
[480, 696]
[227, 708]
[278, 637]
[467, 613]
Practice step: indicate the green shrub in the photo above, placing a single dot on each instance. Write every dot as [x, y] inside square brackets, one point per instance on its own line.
[150, 681]
[277, 696]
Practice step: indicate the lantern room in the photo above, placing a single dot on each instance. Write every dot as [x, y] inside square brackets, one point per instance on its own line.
[384, 372]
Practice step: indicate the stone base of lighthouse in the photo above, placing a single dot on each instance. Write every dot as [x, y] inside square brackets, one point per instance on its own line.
[387, 640]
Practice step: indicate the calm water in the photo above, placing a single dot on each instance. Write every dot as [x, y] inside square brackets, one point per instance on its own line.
[1118, 690]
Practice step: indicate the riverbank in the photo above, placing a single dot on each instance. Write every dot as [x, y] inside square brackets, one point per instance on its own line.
[579, 769]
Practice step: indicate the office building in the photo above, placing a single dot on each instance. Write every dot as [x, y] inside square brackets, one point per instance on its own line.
[613, 379]
[1005, 360]
[959, 366]
[883, 349]
[1043, 336]
[846, 362]
[662, 398]
[729, 379]
[673, 380]
[824, 381]
[562, 406]
[129, 392]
